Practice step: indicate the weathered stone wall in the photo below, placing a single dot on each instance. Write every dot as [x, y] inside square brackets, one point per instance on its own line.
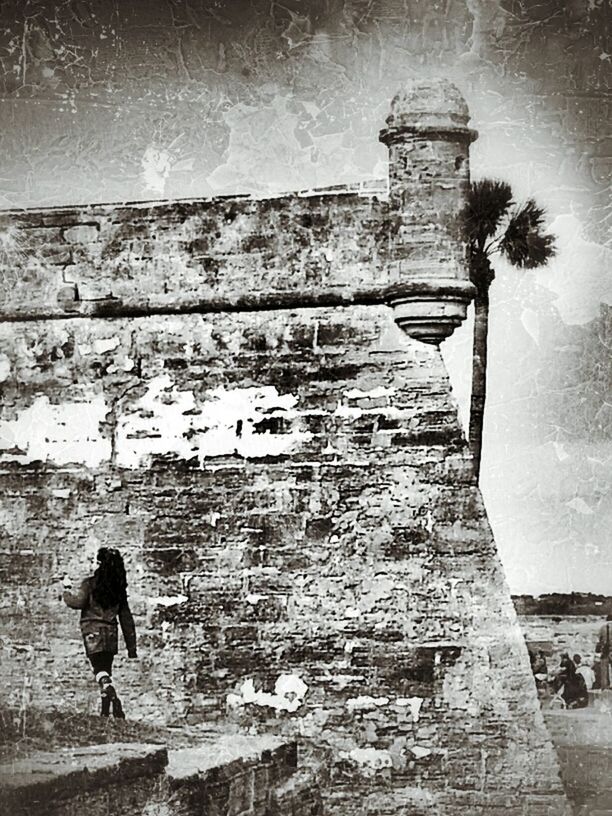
[225, 252]
[295, 500]
[287, 478]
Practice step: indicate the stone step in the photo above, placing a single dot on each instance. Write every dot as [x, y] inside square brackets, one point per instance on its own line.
[230, 775]
[587, 811]
[118, 778]
[586, 772]
[601, 700]
[585, 726]
[593, 810]
[234, 776]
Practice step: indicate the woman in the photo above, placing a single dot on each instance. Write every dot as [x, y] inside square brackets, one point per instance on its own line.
[539, 669]
[102, 599]
[604, 650]
[573, 688]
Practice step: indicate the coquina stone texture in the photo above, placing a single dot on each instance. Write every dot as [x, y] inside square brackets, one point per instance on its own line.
[221, 390]
[228, 776]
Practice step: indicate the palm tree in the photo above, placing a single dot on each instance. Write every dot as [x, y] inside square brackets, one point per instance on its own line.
[495, 224]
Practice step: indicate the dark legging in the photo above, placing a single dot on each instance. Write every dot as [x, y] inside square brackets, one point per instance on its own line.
[102, 662]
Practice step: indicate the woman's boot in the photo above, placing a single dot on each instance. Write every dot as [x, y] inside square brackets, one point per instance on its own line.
[118, 708]
[107, 693]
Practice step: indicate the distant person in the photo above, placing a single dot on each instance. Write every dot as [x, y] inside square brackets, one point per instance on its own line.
[102, 599]
[539, 665]
[603, 649]
[586, 671]
[597, 670]
[571, 685]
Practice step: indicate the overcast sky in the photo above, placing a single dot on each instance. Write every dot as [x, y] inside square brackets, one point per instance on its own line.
[111, 101]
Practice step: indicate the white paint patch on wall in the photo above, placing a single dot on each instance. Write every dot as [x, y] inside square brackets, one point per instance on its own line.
[61, 434]
[5, 367]
[168, 600]
[105, 344]
[167, 420]
[413, 703]
[370, 759]
[373, 393]
[346, 411]
[289, 693]
[366, 703]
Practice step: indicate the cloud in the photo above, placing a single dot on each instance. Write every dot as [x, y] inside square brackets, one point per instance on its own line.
[579, 274]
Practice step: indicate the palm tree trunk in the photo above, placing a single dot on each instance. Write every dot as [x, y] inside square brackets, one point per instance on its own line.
[479, 374]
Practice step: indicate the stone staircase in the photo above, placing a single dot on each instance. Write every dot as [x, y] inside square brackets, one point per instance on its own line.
[229, 776]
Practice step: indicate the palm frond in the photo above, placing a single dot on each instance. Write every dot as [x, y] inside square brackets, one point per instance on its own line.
[523, 243]
[487, 203]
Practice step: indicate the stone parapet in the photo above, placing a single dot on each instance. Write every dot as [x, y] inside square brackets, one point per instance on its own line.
[332, 248]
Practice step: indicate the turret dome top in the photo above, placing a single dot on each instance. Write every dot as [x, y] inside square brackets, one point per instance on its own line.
[428, 103]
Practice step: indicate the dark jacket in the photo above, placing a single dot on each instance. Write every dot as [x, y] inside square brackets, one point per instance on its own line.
[604, 643]
[99, 625]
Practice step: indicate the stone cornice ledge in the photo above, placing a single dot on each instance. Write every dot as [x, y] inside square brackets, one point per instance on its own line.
[445, 133]
[431, 309]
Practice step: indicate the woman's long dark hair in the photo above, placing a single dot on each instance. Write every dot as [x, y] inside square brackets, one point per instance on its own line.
[109, 582]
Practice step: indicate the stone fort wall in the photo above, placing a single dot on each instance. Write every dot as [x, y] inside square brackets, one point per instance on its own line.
[285, 472]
